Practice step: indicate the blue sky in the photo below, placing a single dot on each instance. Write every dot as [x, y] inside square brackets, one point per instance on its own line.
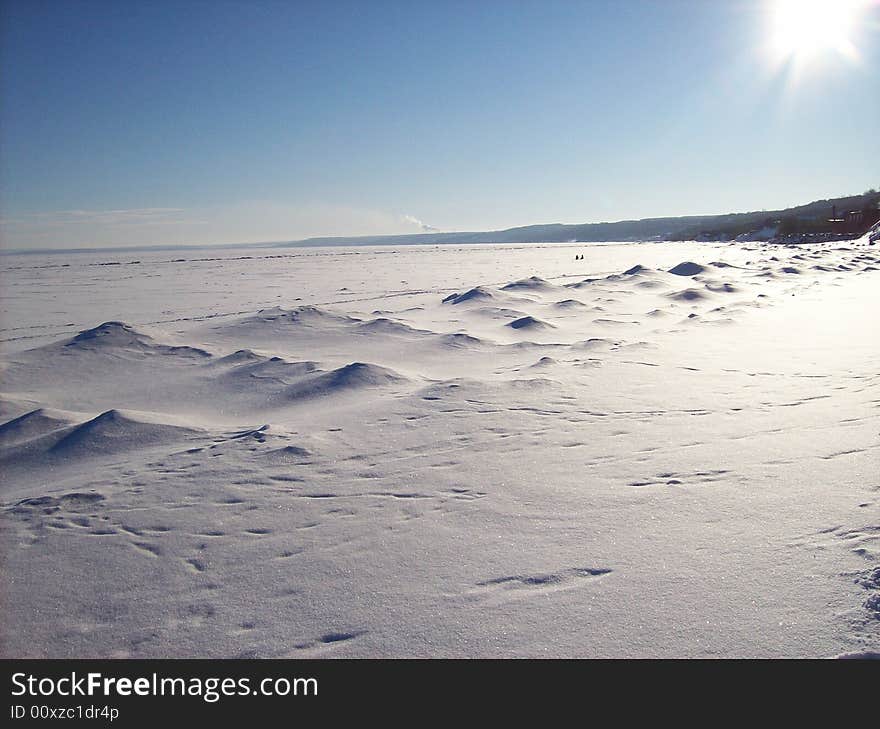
[126, 123]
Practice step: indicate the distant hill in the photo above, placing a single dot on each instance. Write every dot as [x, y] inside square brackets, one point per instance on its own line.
[814, 217]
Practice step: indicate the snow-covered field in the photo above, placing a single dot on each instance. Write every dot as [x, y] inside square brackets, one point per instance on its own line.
[442, 451]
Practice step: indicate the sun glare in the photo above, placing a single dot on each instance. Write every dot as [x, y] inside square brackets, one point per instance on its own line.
[807, 29]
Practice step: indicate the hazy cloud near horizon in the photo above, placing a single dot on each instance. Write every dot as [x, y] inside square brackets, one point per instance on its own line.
[249, 222]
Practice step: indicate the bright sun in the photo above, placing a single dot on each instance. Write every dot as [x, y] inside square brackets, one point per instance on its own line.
[805, 29]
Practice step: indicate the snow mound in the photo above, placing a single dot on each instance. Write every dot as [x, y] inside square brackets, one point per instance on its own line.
[529, 322]
[687, 268]
[649, 283]
[461, 340]
[532, 283]
[569, 304]
[111, 333]
[241, 356]
[116, 431]
[582, 284]
[305, 315]
[289, 454]
[688, 295]
[478, 293]
[121, 336]
[596, 343]
[498, 312]
[274, 368]
[352, 377]
[724, 287]
[33, 425]
[604, 322]
[383, 325]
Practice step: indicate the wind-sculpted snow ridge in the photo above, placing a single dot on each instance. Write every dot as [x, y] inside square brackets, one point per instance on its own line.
[588, 283]
[383, 325]
[115, 333]
[478, 293]
[305, 315]
[114, 432]
[121, 336]
[255, 369]
[532, 283]
[243, 356]
[354, 376]
[34, 424]
[569, 304]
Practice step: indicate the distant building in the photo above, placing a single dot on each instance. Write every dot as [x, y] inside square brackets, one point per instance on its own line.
[854, 219]
[853, 222]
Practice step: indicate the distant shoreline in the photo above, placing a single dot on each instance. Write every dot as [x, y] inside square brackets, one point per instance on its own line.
[273, 246]
[813, 220]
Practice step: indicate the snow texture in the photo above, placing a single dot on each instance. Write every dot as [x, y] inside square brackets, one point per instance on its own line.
[660, 450]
